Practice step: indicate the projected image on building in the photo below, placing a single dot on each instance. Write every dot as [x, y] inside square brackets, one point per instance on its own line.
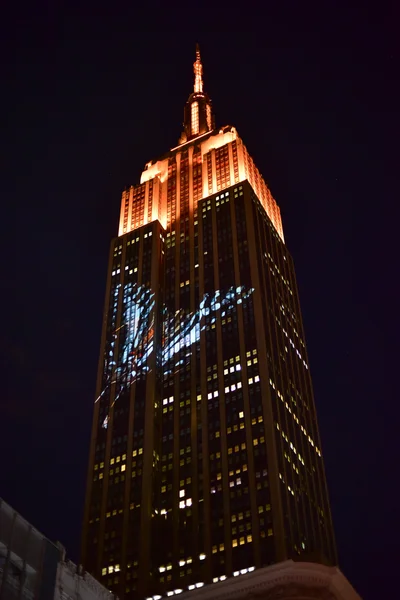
[134, 338]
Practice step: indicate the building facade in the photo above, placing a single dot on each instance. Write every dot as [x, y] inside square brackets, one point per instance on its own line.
[205, 457]
[34, 568]
[28, 560]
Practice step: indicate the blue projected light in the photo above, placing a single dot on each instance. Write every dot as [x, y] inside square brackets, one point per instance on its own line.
[182, 331]
[135, 337]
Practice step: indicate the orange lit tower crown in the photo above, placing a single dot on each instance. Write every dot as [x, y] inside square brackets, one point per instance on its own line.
[217, 159]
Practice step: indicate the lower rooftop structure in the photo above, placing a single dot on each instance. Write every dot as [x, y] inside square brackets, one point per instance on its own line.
[288, 580]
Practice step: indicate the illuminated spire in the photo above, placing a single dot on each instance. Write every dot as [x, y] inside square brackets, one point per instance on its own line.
[198, 117]
[198, 73]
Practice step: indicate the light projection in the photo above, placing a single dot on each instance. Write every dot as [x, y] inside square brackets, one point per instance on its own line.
[182, 331]
[133, 340]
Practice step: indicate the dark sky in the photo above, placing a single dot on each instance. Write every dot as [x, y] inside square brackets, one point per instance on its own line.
[91, 94]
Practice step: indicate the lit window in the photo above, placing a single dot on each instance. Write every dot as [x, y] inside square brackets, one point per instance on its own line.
[208, 108]
[195, 117]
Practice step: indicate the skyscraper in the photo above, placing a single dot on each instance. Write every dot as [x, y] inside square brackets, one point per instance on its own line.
[205, 457]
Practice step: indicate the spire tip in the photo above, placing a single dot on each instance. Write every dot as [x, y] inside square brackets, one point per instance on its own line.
[198, 72]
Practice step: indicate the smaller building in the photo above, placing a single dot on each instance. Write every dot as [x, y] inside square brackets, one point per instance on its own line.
[73, 583]
[34, 568]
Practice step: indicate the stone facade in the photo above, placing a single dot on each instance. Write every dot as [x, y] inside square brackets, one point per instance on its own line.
[75, 584]
[288, 580]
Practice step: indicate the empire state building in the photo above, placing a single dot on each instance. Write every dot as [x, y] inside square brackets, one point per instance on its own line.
[205, 457]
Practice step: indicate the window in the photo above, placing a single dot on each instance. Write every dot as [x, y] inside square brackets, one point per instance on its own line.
[208, 108]
[195, 118]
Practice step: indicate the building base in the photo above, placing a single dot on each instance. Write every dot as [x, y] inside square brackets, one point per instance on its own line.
[288, 580]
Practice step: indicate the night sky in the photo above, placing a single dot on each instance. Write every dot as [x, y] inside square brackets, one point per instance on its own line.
[89, 96]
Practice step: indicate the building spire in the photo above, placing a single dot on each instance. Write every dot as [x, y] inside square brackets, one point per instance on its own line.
[198, 73]
[198, 117]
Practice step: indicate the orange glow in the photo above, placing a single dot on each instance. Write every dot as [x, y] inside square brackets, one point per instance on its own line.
[196, 169]
[220, 161]
[195, 117]
[208, 115]
[198, 73]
